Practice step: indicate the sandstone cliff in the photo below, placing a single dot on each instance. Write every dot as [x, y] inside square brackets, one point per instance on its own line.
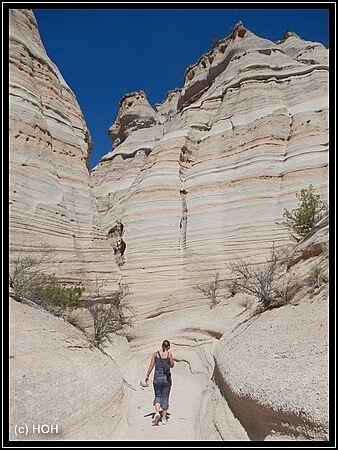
[189, 185]
[51, 203]
[204, 177]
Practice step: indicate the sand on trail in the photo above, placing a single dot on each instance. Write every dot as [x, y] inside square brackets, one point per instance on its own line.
[57, 378]
[195, 403]
[93, 394]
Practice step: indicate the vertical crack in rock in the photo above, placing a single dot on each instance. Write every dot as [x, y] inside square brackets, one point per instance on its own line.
[114, 236]
[186, 161]
[184, 220]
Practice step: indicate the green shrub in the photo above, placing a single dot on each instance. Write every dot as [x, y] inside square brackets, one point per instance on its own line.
[316, 276]
[47, 291]
[29, 282]
[302, 219]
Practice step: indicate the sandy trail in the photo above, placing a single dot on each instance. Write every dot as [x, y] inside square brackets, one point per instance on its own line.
[184, 402]
[195, 402]
[197, 411]
[79, 389]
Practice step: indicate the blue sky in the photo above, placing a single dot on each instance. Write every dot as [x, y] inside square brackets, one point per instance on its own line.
[106, 52]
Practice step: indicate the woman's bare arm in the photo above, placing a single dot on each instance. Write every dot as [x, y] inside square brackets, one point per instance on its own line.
[150, 368]
[171, 359]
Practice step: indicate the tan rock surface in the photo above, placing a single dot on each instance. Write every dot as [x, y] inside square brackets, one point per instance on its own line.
[51, 202]
[57, 378]
[209, 178]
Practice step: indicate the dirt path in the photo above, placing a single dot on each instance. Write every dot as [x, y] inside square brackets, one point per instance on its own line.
[96, 411]
[184, 402]
[196, 406]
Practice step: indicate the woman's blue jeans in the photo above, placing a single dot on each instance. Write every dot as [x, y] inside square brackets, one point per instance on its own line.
[162, 390]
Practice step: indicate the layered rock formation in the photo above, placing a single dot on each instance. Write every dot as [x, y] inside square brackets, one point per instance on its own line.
[51, 202]
[205, 177]
[188, 186]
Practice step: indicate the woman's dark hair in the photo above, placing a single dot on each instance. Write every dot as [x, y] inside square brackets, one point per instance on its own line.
[165, 344]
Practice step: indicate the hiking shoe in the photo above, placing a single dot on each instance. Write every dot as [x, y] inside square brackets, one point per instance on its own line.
[156, 419]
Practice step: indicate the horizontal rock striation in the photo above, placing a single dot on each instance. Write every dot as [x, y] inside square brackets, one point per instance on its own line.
[51, 202]
[205, 179]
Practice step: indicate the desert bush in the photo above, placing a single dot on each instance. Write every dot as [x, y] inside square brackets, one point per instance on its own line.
[48, 292]
[25, 270]
[310, 210]
[246, 303]
[29, 282]
[108, 313]
[211, 290]
[290, 286]
[316, 276]
[231, 286]
[269, 282]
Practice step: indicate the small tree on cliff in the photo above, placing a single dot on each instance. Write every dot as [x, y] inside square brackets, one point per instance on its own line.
[302, 219]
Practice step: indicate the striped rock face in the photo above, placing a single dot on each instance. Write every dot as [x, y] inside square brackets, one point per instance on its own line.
[188, 186]
[51, 202]
[204, 177]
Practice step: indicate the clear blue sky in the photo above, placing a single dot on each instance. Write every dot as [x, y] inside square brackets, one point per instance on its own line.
[104, 53]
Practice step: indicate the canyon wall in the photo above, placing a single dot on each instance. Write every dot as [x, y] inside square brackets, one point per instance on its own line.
[51, 203]
[203, 178]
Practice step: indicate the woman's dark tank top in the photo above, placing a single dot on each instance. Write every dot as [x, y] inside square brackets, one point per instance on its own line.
[161, 367]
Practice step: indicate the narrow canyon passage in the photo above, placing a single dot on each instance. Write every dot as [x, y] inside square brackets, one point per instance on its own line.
[197, 410]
